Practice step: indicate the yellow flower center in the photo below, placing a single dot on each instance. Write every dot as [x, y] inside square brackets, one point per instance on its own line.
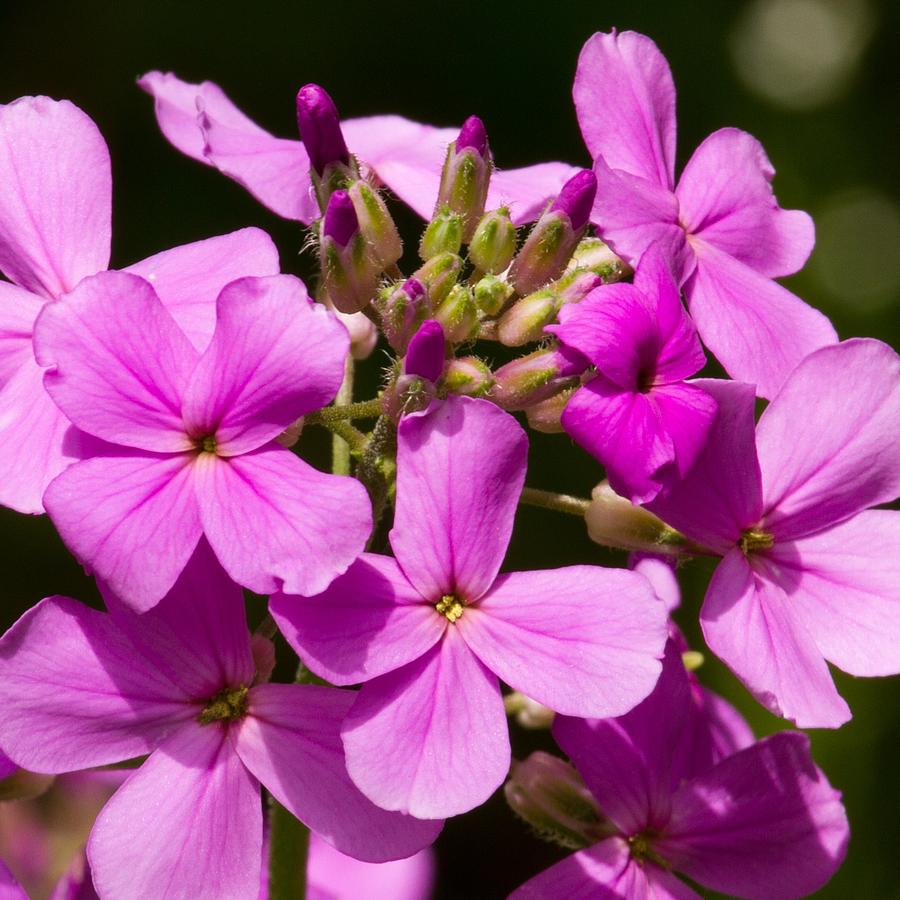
[450, 606]
[230, 703]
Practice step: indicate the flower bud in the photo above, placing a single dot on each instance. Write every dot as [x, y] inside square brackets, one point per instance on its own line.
[555, 235]
[528, 713]
[550, 796]
[591, 253]
[425, 356]
[546, 416]
[376, 223]
[349, 274]
[465, 176]
[494, 242]
[438, 276]
[443, 234]
[320, 130]
[468, 375]
[574, 286]
[614, 521]
[533, 378]
[402, 308]
[458, 314]
[491, 294]
[526, 319]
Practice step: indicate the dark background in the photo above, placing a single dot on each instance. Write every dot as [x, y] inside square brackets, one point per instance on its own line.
[815, 80]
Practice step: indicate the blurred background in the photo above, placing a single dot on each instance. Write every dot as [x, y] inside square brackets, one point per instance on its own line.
[814, 80]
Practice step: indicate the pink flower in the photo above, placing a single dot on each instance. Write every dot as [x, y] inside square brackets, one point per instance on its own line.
[680, 790]
[81, 688]
[807, 574]
[189, 438]
[201, 122]
[55, 211]
[10, 889]
[637, 416]
[432, 631]
[721, 229]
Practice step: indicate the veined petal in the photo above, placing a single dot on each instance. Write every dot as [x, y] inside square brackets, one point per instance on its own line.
[368, 621]
[757, 329]
[625, 102]
[206, 838]
[275, 356]
[440, 731]
[843, 585]
[120, 364]
[276, 523]
[460, 469]
[686, 413]
[131, 519]
[725, 196]
[584, 641]
[56, 202]
[75, 693]
[291, 742]
[189, 279]
[749, 623]
[721, 496]
[763, 823]
[828, 443]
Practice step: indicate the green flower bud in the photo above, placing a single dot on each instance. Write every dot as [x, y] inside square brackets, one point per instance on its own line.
[443, 235]
[494, 242]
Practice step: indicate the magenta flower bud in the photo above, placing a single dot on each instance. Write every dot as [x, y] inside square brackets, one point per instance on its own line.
[425, 355]
[465, 177]
[533, 378]
[458, 314]
[473, 134]
[402, 309]
[468, 375]
[376, 223]
[349, 272]
[320, 128]
[576, 199]
[340, 222]
[555, 236]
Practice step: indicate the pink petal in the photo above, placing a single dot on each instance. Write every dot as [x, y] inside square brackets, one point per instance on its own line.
[687, 414]
[749, 622]
[721, 496]
[622, 429]
[119, 362]
[197, 634]
[276, 523]
[843, 586]
[584, 641]
[757, 329]
[369, 621]
[10, 889]
[404, 734]
[188, 279]
[275, 356]
[76, 694]
[56, 201]
[291, 742]
[132, 519]
[726, 198]
[188, 823]
[764, 823]
[660, 572]
[605, 871]
[625, 103]
[460, 469]
[200, 121]
[528, 190]
[632, 213]
[828, 443]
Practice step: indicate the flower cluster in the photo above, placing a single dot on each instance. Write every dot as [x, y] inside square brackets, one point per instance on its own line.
[155, 414]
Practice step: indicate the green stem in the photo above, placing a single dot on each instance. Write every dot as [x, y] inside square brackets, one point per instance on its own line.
[367, 409]
[288, 852]
[340, 448]
[574, 506]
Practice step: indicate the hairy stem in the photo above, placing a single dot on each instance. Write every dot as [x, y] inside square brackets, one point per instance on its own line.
[574, 506]
[288, 852]
[340, 449]
[367, 409]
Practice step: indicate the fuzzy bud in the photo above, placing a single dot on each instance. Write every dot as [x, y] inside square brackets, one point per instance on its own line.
[376, 223]
[465, 176]
[555, 236]
[592, 254]
[443, 235]
[528, 713]
[526, 319]
[438, 276]
[494, 242]
[349, 274]
[491, 294]
[468, 375]
[546, 416]
[574, 286]
[533, 378]
[458, 314]
[402, 308]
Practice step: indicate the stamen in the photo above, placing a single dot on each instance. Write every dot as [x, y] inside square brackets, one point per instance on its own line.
[450, 606]
[206, 443]
[641, 848]
[230, 703]
[754, 539]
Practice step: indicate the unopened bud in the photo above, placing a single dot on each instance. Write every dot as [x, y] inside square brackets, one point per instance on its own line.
[425, 356]
[549, 794]
[443, 235]
[466, 174]
[592, 254]
[574, 286]
[536, 377]
[491, 294]
[526, 319]
[528, 713]
[468, 375]
[458, 314]
[546, 416]
[494, 242]
[616, 522]
[376, 223]
[438, 276]
[349, 274]
[402, 308]
[555, 235]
